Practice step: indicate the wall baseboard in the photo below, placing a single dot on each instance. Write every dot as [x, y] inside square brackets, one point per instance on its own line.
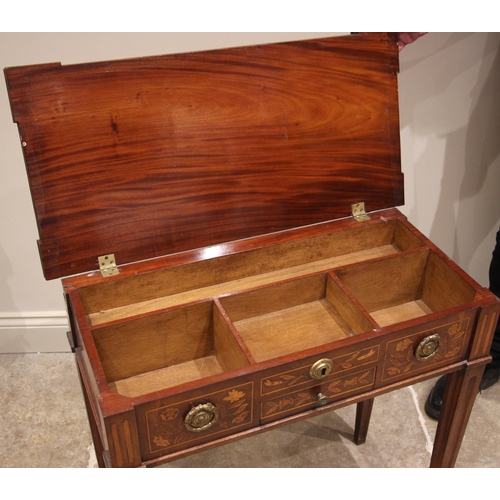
[33, 332]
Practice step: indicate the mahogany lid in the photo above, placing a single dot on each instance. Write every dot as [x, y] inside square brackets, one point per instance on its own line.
[152, 156]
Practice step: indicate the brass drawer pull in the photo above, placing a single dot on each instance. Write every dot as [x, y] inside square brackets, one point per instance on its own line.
[201, 417]
[322, 399]
[428, 347]
[321, 369]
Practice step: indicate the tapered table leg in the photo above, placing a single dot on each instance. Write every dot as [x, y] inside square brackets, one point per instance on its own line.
[363, 414]
[460, 393]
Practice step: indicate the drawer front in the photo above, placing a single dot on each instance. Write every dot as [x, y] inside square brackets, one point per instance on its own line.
[169, 426]
[299, 374]
[412, 353]
[318, 395]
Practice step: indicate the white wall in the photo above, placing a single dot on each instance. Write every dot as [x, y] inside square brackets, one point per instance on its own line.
[450, 120]
[32, 311]
[450, 117]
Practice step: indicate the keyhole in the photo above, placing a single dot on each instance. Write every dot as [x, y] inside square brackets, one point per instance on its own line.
[322, 368]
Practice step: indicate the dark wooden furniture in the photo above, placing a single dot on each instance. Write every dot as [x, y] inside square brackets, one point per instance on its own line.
[263, 275]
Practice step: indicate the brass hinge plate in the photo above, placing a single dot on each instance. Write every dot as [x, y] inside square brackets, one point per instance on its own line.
[358, 211]
[107, 265]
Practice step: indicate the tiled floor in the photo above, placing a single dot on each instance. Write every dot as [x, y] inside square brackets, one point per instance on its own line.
[43, 424]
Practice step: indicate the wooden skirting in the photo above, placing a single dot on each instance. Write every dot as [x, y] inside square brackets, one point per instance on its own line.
[36, 331]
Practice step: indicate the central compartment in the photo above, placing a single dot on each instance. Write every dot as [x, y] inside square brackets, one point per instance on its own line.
[293, 316]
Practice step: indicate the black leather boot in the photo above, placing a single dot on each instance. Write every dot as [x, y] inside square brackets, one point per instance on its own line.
[435, 399]
[491, 376]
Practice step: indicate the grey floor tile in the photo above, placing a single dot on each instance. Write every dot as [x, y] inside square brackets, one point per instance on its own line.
[43, 421]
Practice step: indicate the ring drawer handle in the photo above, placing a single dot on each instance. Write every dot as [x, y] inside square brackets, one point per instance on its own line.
[428, 347]
[201, 417]
[321, 369]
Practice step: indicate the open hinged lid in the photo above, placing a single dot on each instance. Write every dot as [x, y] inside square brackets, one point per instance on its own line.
[151, 156]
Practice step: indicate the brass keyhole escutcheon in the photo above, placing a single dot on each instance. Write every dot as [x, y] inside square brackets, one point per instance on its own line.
[321, 369]
[428, 347]
[201, 417]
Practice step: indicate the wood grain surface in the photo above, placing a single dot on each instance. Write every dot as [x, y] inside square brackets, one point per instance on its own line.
[152, 156]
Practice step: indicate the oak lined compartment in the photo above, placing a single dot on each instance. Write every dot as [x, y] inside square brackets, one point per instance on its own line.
[281, 314]
[166, 349]
[299, 314]
[200, 340]
[293, 316]
[164, 378]
[406, 286]
[141, 294]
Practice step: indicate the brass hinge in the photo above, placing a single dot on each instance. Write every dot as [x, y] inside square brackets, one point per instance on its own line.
[107, 265]
[358, 211]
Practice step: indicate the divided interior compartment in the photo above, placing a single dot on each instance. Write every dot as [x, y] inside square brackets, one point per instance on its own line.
[293, 316]
[406, 286]
[197, 340]
[166, 349]
[304, 313]
[216, 276]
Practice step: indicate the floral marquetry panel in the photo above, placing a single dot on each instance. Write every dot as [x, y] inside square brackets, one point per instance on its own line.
[173, 427]
[301, 375]
[307, 398]
[402, 354]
